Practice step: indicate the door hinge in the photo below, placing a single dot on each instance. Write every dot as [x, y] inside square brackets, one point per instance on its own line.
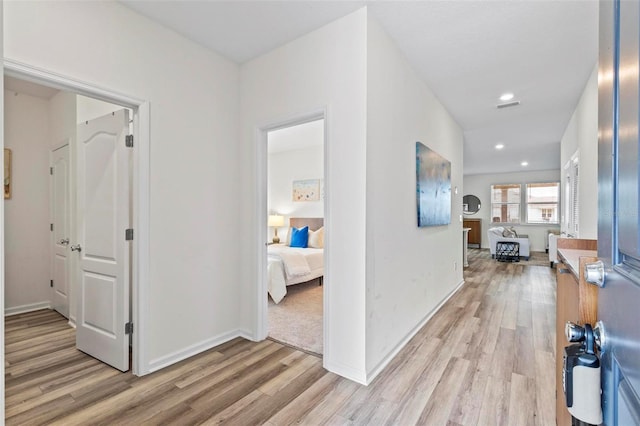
[51, 171]
[128, 141]
[128, 234]
[51, 227]
[51, 283]
[128, 328]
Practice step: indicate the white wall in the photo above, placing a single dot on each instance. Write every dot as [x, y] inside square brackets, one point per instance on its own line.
[194, 254]
[410, 270]
[89, 108]
[284, 168]
[27, 234]
[582, 134]
[480, 186]
[324, 69]
[62, 117]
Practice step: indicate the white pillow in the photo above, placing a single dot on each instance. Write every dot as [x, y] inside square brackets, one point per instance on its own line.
[316, 238]
[289, 236]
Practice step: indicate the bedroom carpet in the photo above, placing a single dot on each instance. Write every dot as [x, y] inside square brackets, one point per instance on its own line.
[297, 319]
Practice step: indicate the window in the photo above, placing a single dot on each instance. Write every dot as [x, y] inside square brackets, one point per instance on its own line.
[542, 202]
[571, 214]
[505, 203]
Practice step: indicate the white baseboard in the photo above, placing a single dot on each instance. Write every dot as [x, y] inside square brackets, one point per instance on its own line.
[392, 354]
[177, 356]
[26, 308]
[353, 374]
[246, 334]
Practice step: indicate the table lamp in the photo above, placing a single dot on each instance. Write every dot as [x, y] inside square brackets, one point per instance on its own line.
[275, 221]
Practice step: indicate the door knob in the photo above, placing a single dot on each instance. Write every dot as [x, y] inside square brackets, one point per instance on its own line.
[594, 273]
[76, 248]
[64, 242]
[600, 335]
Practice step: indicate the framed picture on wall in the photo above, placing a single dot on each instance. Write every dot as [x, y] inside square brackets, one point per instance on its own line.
[7, 173]
[306, 190]
[433, 187]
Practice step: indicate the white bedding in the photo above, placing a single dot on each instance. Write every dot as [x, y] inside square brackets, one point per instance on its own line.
[292, 265]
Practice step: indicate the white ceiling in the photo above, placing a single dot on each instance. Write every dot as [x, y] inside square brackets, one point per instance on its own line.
[296, 137]
[467, 52]
[28, 88]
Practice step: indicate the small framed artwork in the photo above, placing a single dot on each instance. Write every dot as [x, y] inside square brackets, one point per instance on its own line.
[306, 190]
[7, 173]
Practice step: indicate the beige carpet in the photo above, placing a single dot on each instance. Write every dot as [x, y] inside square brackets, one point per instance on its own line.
[297, 319]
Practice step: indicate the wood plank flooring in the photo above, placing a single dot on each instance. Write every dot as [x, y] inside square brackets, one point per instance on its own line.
[486, 358]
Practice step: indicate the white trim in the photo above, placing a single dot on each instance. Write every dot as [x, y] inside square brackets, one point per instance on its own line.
[141, 209]
[195, 349]
[348, 372]
[246, 334]
[261, 213]
[47, 78]
[72, 323]
[22, 309]
[392, 354]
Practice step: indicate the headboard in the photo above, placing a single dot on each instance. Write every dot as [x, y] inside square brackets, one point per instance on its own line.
[314, 223]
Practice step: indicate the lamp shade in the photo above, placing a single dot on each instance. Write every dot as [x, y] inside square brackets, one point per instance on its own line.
[275, 220]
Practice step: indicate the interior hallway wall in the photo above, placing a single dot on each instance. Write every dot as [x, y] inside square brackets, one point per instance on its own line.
[582, 135]
[26, 225]
[194, 296]
[325, 69]
[410, 270]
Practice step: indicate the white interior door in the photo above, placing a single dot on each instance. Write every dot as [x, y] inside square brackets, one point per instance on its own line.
[103, 167]
[60, 200]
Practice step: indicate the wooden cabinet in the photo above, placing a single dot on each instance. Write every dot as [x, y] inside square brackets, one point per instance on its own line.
[577, 301]
[475, 231]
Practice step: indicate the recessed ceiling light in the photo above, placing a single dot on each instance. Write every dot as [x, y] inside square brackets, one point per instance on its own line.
[506, 97]
[524, 164]
[499, 146]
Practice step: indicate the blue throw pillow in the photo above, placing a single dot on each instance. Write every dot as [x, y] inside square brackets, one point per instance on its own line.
[299, 237]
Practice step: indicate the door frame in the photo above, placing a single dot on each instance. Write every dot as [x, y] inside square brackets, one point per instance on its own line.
[140, 191]
[70, 217]
[261, 220]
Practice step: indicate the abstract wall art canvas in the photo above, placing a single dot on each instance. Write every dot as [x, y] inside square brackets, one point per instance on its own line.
[306, 190]
[433, 187]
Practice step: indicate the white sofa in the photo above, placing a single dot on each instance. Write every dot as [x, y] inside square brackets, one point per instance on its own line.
[495, 235]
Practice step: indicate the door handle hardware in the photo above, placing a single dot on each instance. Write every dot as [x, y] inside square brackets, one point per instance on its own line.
[594, 273]
[600, 335]
[64, 242]
[573, 332]
[76, 248]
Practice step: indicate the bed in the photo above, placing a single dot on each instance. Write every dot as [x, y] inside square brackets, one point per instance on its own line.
[291, 265]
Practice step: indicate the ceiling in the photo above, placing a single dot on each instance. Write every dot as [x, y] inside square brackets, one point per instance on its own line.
[28, 88]
[296, 137]
[467, 52]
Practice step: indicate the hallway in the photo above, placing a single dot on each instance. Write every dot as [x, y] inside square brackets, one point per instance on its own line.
[485, 358]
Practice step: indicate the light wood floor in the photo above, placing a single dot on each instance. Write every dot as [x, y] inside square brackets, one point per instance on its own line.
[486, 358]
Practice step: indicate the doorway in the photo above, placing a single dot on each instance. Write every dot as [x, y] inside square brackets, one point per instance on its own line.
[136, 262]
[294, 288]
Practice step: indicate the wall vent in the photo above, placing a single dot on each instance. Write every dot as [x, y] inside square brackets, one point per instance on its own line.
[508, 104]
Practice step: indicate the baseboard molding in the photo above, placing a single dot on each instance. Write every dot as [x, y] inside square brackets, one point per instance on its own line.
[72, 322]
[26, 308]
[246, 334]
[177, 356]
[353, 374]
[392, 354]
